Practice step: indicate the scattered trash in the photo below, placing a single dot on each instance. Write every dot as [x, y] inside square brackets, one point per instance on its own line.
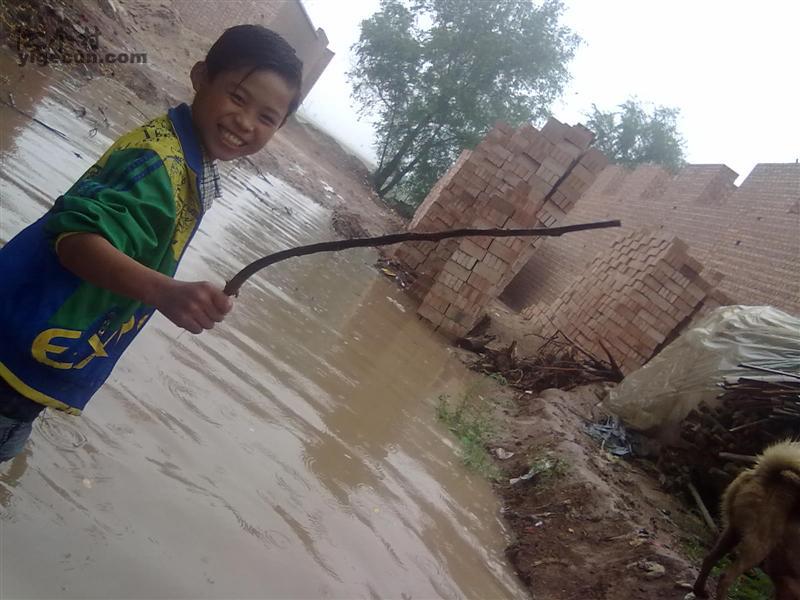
[651, 569]
[396, 303]
[529, 475]
[538, 467]
[613, 436]
[502, 453]
[327, 187]
[394, 270]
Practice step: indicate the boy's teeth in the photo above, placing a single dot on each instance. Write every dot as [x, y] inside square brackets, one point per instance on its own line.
[231, 138]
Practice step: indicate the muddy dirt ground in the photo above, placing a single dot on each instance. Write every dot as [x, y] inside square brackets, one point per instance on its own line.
[599, 528]
[594, 525]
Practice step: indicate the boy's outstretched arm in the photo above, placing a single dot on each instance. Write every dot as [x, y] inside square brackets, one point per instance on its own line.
[194, 306]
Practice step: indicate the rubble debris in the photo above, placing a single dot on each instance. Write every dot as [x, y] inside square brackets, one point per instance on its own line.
[558, 363]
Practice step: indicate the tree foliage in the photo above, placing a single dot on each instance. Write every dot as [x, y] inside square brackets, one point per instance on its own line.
[631, 136]
[435, 74]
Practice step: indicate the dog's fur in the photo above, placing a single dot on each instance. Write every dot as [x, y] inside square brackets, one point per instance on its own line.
[761, 515]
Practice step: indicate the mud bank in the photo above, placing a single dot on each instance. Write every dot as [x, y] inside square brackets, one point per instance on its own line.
[588, 524]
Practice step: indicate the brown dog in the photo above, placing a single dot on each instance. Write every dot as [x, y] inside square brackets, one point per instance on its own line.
[761, 514]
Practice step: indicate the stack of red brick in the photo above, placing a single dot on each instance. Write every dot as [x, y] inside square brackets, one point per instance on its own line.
[513, 179]
[634, 299]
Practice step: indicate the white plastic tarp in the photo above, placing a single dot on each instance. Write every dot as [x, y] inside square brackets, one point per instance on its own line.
[689, 370]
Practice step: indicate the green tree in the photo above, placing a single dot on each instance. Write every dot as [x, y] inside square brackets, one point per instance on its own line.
[631, 135]
[435, 74]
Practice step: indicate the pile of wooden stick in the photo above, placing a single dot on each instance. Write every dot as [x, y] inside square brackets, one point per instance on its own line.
[558, 363]
[750, 414]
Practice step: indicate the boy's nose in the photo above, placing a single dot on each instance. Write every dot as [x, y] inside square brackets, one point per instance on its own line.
[244, 123]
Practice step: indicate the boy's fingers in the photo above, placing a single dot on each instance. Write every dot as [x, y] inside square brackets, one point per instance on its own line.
[222, 302]
[204, 320]
[213, 312]
[192, 326]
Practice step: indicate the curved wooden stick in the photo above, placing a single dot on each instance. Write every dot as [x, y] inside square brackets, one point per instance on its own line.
[232, 287]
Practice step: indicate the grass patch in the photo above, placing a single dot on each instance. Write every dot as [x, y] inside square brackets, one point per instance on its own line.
[499, 378]
[471, 422]
[753, 585]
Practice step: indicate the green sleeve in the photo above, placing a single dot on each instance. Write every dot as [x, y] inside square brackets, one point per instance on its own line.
[129, 201]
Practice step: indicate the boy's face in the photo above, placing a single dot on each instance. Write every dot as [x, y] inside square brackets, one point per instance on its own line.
[238, 111]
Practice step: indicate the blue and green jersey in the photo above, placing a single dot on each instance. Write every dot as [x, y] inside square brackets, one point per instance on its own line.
[60, 336]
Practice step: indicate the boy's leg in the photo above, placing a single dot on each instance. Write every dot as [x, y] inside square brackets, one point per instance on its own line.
[13, 435]
[17, 415]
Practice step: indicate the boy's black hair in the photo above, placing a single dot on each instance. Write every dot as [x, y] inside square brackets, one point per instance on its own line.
[260, 48]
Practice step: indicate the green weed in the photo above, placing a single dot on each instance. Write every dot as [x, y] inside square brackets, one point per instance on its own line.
[753, 585]
[499, 378]
[470, 421]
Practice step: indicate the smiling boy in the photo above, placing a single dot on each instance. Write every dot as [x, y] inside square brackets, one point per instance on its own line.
[81, 282]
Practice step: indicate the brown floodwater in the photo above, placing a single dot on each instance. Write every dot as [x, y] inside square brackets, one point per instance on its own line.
[293, 452]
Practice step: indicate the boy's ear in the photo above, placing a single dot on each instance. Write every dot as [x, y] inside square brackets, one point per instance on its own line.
[199, 75]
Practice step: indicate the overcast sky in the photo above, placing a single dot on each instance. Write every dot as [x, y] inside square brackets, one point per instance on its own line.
[731, 67]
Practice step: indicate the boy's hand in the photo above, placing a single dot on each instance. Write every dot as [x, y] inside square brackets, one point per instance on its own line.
[194, 306]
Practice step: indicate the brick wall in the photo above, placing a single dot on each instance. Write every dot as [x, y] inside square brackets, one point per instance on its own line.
[758, 251]
[750, 234]
[632, 299]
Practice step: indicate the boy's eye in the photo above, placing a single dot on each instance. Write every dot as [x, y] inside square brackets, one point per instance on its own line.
[267, 120]
[237, 98]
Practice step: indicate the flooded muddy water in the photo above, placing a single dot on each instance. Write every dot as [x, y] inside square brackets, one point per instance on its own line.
[292, 452]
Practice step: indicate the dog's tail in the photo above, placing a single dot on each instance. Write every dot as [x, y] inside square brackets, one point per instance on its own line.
[781, 460]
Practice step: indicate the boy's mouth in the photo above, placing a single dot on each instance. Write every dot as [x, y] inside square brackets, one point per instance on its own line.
[230, 138]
